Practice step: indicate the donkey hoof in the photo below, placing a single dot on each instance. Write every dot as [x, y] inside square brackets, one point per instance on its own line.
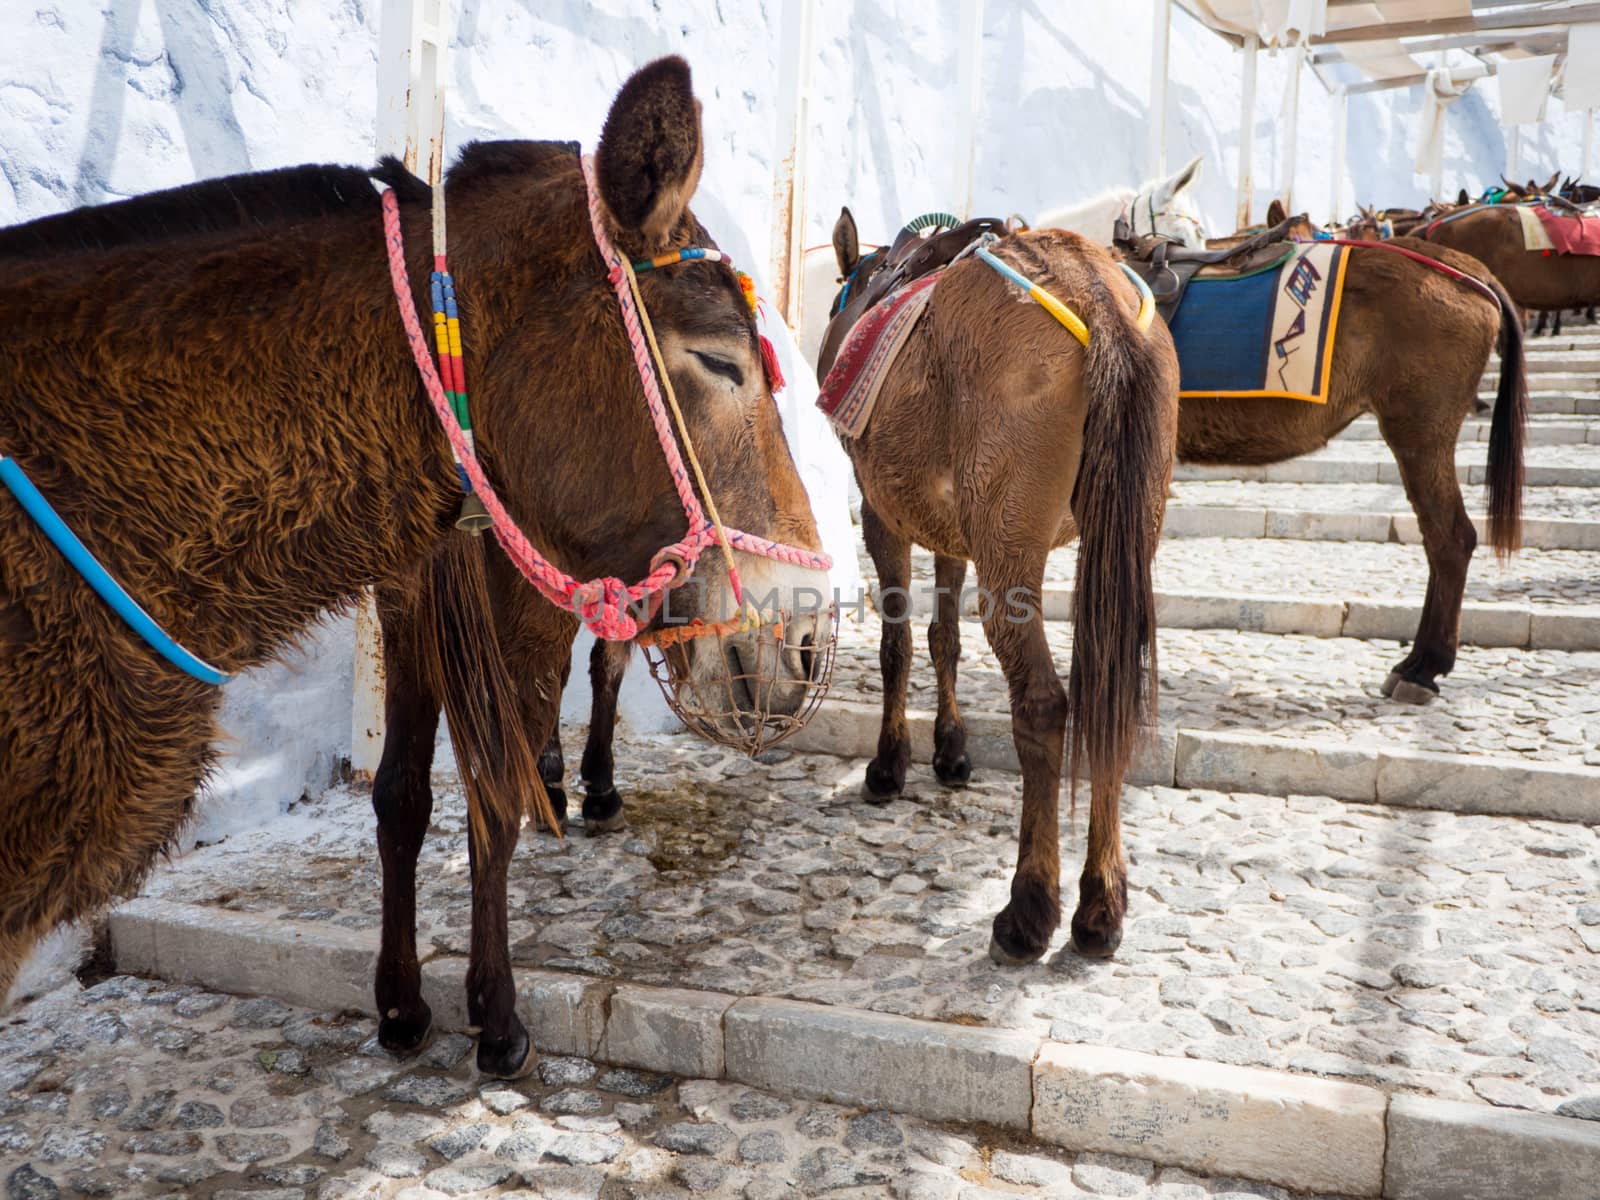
[1022, 929]
[1406, 692]
[405, 1034]
[885, 780]
[558, 803]
[1094, 943]
[507, 1057]
[1097, 923]
[602, 812]
[953, 772]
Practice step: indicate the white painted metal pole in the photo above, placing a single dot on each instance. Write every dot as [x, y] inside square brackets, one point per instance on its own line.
[411, 86]
[1588, 144]
[969, 84]
[1341, 122]
[1157, 117]
[789, 180]
[1247, 129]
[1291, 132]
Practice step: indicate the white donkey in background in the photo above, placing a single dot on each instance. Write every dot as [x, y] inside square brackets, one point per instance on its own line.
[1158, 206]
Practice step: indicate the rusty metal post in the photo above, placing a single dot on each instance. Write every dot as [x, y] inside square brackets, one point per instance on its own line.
[412, 42]
[1341, 122]
[1157, 150]
[1291, 131]
[1247, 128]
[969, 85]
[795, 41]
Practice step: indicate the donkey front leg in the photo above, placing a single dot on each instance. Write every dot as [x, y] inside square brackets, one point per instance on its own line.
[503, 1044]
[891, 556]
[553, 762]
[403, 802]
[1015, 629]
[602, 807]
[950, 762]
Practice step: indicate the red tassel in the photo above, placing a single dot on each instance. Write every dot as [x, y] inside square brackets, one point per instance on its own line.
[769, 364]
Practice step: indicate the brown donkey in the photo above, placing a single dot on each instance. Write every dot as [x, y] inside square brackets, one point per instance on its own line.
[995, 438]
[1536, 281]
[1413, 344]
[213, 388]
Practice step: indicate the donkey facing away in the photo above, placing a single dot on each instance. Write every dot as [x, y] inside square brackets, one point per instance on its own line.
[995, 438]
[1413, 344]
[242, 472]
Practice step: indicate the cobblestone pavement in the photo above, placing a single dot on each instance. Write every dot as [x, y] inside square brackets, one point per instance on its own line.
[1536, 704]
[1347, 570]
[1356, 450]
[1566, 503]
[1423, 950]
[134, 1088]
[1339, 570]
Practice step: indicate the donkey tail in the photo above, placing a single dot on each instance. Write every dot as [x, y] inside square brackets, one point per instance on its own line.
[1128, 447]
[498, 764]
[1507, 430]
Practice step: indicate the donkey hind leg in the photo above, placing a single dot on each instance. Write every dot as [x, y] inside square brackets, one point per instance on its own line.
[950, 762]
[1023, 929]
[553, 763]
[891, 556]
[403, 802]
[602, 807]
[1428, 471]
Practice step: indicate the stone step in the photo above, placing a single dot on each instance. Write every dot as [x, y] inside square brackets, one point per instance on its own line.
[1148, 1110]
[1567, 362]
[1504, 715]
[1559, 402]
[1539, 599]
[1189, 520]
[1546, 503]
[1550, 431]
[1341, 465]
[1229, 761]
[1539, 627]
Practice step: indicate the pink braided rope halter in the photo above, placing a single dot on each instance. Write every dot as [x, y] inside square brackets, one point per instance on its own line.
[606, 605]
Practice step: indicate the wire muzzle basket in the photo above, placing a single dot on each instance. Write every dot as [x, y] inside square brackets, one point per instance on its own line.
[756, 699]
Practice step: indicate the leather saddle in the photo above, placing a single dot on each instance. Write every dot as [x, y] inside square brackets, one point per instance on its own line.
[912, 256]
[1167, 266]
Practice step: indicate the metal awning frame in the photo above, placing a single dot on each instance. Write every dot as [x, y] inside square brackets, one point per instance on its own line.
[1495, 27]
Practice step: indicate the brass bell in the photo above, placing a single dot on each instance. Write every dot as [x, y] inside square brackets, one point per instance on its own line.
[474, 518]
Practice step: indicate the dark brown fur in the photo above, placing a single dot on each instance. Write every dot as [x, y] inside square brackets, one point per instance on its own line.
[997, 438]
[225, 409]
[1412, 347]
[1535, 281]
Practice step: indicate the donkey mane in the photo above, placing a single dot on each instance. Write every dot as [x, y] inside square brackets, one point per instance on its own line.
[260, 200]
[271, 198]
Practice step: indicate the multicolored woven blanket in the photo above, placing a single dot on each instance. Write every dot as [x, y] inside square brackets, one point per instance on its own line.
[869, 351]
[1266, 333]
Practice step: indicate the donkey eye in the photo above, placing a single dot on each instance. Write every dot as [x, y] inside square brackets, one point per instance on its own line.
[727, 368]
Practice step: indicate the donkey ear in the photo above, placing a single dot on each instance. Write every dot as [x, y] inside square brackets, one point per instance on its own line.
[1276, 213]
[846, 245]
[1181, 180]
[1550, 184]
[650, 154]
[1462, 197]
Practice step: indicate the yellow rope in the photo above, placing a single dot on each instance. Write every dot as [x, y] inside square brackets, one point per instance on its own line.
[677, 414]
